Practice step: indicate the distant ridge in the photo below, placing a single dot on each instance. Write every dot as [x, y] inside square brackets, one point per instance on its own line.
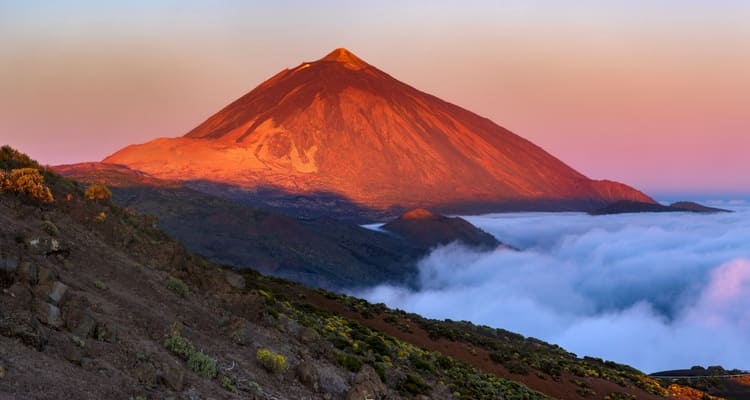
[625, 207]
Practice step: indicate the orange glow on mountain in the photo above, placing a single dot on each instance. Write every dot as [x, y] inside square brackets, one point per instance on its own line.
[341, 125]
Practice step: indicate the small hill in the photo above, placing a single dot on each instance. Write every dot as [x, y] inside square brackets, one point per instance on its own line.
[428, 229]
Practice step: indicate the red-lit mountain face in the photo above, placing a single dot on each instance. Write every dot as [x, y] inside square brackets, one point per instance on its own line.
[340, 125]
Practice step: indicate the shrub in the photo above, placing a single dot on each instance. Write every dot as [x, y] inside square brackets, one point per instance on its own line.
[271, 361]
[414, 385]
[228, 383]
[98, 192]
[202, 365]
[27, 181]
[177, 286]
[100, 285]
[350, 363]
[197, 361]
[50, 228]
[378, 344]
[179, 346]
[11, 158]
[254, 388]
[422, 362]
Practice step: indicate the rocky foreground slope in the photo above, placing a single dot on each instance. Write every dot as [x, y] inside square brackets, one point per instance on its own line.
[96, 303]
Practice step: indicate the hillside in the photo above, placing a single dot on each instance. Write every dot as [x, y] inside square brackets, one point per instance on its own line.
[97, 303]
[320, 252]
[338, 136]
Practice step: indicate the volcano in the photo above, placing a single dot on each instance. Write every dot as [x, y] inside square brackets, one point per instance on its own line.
[341, 126]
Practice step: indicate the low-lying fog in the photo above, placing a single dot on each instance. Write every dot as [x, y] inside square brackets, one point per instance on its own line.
[656, 291]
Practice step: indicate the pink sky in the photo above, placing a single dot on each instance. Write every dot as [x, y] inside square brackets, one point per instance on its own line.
[654, 94]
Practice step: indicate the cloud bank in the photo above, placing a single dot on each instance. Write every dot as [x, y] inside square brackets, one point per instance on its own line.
[656, 291]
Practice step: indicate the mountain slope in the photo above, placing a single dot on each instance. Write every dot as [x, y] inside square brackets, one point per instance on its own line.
[97, 303]
[339, 125]
[319, 252]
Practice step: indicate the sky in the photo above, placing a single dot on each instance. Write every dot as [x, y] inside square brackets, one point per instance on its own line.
[650, 93]
[654, 291]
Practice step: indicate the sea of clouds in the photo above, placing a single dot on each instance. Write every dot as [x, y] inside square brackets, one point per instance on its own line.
[655, 290]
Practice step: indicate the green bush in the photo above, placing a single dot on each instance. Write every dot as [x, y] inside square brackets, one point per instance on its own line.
[350, 363]
[179, 346]
[197, 361]
[202, 365]
[254, 388]
[228, 383]
[271, 361]
[414, 385]
[378, 345]
[177, 286]
[423, 362]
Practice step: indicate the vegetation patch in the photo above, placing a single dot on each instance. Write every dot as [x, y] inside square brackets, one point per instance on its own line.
[179, 345]
[202, 365]
[98, 192]
[358, 345]
[272, 362]
[229, 384]
[197, 361]
[177, 286]
[26, 181]
[414, 385]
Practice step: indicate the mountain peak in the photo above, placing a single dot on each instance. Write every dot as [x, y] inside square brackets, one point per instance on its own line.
[345, 57]
[339, 129]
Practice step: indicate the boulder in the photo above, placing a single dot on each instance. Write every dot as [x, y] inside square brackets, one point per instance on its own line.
[31, 333]
[308, 375]
[84, 327]
[106, 332]
[48, 314]
[28, 272]
[47, 247]
[174, 378]
[71, 352]
[20, 293]
[46, 276]
[192, 394]
[8, 265]
[58, 293]
[332, 382]
[367, 385]
[235, 280]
